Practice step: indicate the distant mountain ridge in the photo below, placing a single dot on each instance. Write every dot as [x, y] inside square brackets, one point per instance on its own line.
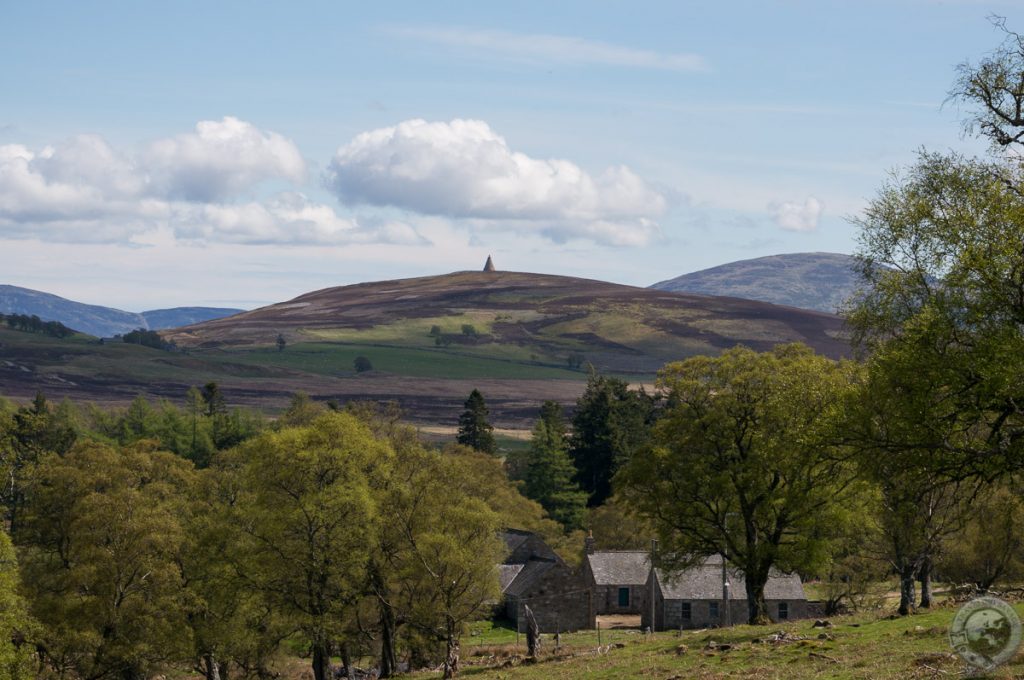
[819, 281]
[98, 320]
[159, 319]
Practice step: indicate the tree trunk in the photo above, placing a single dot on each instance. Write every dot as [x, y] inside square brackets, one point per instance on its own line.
[757, 608]
[223, 669]
[451, 657]
[210, 667]
[346, 659]
[321, 660]
[388, 655]
[132, 673]
[925, 577]
[906, 589]
[532, 634]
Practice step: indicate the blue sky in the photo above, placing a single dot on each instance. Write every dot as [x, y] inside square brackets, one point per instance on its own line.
[162, 154]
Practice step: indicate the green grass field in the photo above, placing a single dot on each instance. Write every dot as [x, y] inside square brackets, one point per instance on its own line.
[84, 357]
[332, 358]
[864, 646]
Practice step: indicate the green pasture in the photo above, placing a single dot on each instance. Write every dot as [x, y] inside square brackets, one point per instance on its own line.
[863, 646]
[336, 359]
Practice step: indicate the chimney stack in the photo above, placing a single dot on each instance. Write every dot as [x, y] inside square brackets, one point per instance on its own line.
[588, 543]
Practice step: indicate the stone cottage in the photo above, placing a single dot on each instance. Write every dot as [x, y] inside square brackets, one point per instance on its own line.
[617, 579]
[694, 598]
[533, 574]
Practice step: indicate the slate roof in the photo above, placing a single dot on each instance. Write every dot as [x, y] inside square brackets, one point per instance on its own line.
[529, 573]
[704, 582]
[619, 567]
[514, 538]
[507, 574]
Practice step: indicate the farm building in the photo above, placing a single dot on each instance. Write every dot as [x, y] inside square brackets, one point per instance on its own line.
[618, 580]
[623, 582]
[694, 598]
[533, 574]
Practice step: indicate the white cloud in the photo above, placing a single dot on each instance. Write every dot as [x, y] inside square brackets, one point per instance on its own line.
[286, 218]
[465, 170]
[60, 185]
[543, 48]
[220, 159]
[793, 216]
[83, 191]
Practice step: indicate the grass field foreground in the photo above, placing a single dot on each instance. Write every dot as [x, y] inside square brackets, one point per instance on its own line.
[857, 646]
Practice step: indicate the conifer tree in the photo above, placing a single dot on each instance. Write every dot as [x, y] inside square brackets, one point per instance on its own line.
[549, 472]
[610, 424]
[474, 429]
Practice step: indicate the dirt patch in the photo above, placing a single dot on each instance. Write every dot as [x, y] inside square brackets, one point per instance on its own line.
[619, 621]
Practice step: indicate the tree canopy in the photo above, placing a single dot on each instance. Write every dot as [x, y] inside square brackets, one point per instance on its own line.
[742, 464]
[940, 253]
[309, 516]
[610, 424]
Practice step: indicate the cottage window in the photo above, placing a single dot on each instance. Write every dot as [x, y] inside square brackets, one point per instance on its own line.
[783, 611]
[687, 612]
[623, 597]
[712, 610]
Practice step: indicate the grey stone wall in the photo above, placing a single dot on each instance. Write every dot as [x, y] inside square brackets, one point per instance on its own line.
[669, 613]
[559, 600]
[606, 600]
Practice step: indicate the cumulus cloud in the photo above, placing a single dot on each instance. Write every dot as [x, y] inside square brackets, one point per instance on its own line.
[465, 170]
[81, 180]
[794, 216]
[83, 191]
[219, 159]
[286, 218]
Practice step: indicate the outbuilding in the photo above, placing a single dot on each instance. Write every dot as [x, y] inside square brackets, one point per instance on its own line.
[618, 580]
[695, 597]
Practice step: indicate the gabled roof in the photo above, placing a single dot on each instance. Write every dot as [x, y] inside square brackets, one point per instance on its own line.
[522, 546]
[507, 574]
[704, 582]
[514, 538]
[529, 573]
[619, 567]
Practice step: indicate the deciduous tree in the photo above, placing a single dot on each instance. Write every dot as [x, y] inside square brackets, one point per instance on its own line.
[990, 547]
[994, 89]
[942, 316]
[101, 545]
[16, 629]
[742, 463]
[309, 516]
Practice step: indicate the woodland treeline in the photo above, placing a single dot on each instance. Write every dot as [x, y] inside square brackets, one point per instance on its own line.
[30, 323]
[154, 537]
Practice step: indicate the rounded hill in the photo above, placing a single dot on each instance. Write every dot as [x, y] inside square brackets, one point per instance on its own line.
[821, 281]
[536, 319]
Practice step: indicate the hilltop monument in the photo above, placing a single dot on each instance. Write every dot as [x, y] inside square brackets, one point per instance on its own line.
[489, 265]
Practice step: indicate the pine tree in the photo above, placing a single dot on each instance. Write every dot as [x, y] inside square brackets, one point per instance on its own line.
[610, 424]
[549, 473]
[474, 429]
